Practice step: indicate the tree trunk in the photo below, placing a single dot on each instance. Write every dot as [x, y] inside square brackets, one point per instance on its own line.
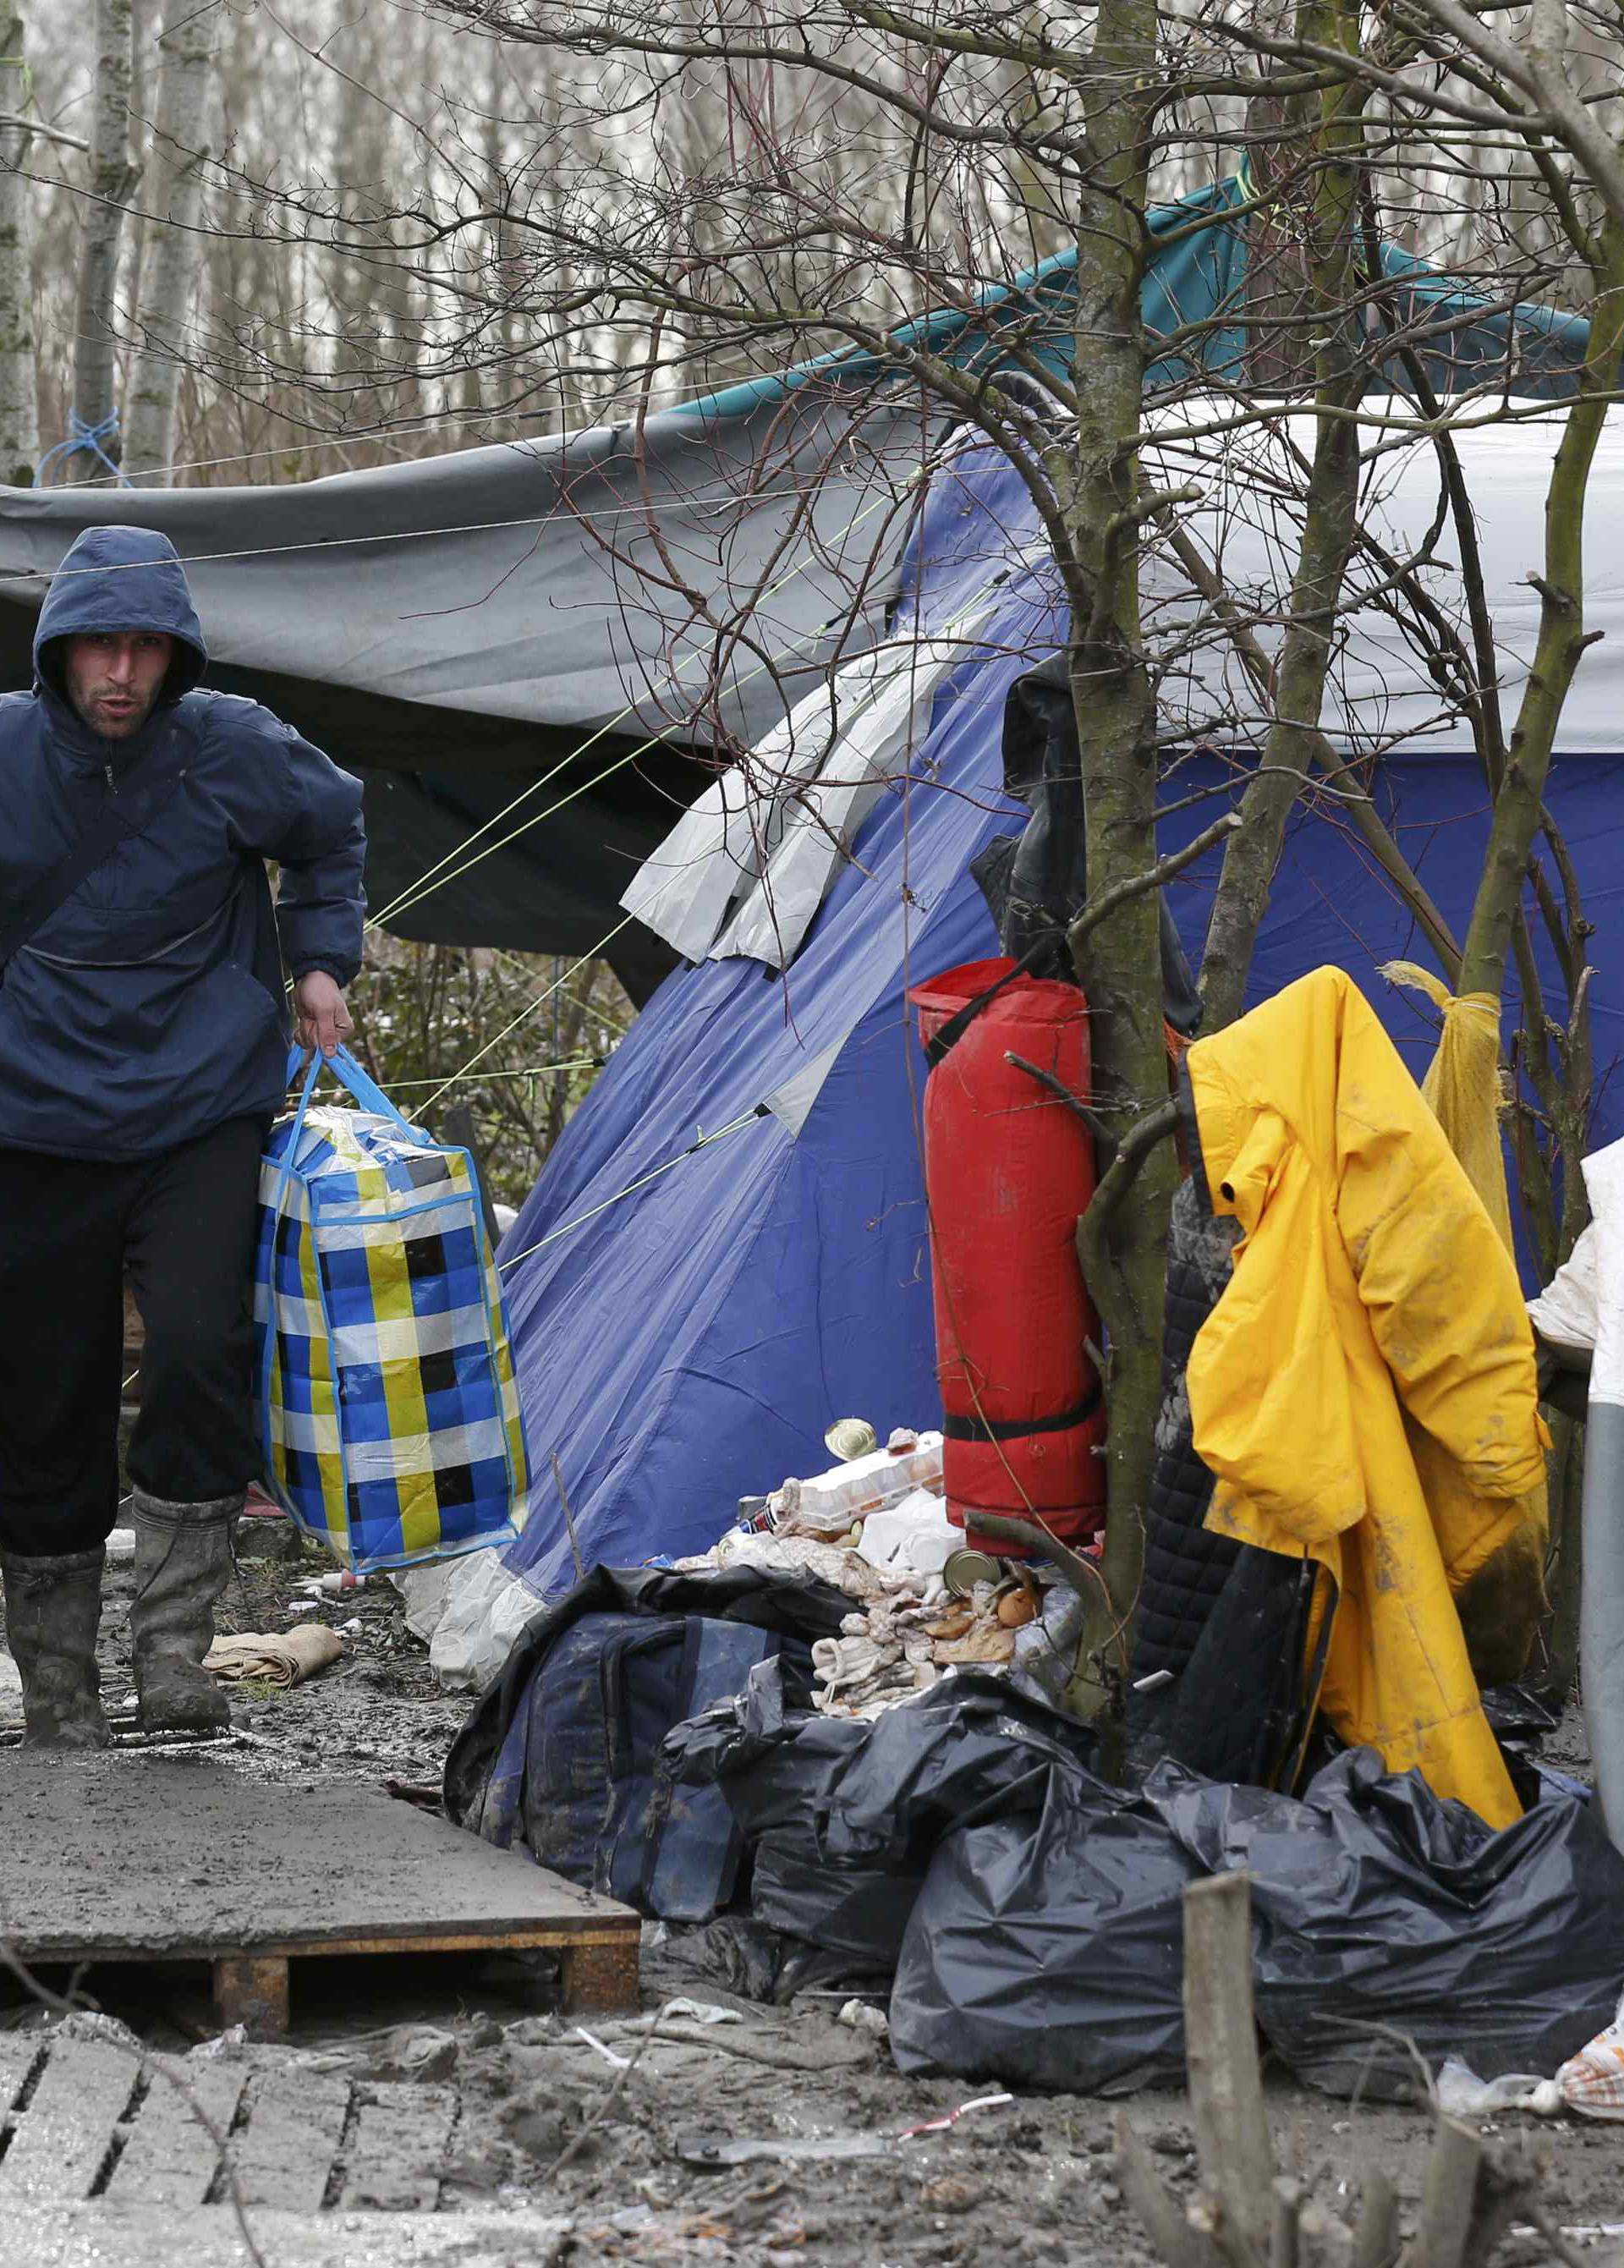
[1279, 358]
[1119, 963]
[375, 351]
[1330, 522]
[1518, 804]
[111, 181]
[19, 419]
[169, 280]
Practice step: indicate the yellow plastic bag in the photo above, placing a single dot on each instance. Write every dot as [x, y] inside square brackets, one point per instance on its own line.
[1502, 1599]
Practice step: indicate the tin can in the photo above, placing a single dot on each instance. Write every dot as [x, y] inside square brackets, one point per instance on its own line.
[963, 1569]
[850, 1437]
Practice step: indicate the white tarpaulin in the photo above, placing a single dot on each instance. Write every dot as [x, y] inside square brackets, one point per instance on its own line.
[744, 871]
[1601, 1608]
[1566, 1313]
[1384, 696]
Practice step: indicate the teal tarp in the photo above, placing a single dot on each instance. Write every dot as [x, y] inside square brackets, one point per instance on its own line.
[1195, 277]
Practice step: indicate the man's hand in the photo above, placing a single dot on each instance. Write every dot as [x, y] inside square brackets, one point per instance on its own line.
[324, 1020]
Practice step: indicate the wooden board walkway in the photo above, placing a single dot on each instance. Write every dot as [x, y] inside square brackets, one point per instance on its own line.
[184, 1859]
[88, 2119]
[102, 2235]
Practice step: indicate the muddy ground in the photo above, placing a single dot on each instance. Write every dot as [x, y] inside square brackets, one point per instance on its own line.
[611, 2148]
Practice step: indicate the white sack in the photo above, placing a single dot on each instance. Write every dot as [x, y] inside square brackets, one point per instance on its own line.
[1565, 1312]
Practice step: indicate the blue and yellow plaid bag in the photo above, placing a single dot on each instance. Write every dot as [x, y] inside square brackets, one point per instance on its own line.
[388, 1410]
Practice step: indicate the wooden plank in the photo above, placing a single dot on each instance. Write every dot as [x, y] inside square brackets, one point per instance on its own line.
[1378, 2220]
[396, 2149]
[600, 1980]
[285, 2153]
[215, 1863]
[88, 2236]
[505, 1937]
[1286, 2226]
[65, 2137]
[18, 2054]
[252, 1991]
[171, 2158]
[1449, 2199]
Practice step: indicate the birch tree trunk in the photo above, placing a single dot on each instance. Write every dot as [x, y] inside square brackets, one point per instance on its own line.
[19, 420]
[170, 275]
[111, 183]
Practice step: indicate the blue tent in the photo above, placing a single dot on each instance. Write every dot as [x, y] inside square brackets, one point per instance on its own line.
[727, 1250]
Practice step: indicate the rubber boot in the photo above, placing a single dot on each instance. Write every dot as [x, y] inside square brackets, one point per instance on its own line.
[183, 1563]
[53, 1608]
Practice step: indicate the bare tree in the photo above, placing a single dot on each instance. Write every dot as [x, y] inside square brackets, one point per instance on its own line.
[172, 198]
[111, 183]
[20, 416]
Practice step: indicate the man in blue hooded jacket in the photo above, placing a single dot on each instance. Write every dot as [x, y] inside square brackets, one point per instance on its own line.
[143, 1054]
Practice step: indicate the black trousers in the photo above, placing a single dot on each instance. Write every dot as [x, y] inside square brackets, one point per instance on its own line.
[184, 1223]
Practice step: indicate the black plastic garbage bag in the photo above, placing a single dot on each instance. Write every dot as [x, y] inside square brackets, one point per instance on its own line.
[741, 1955]
[1391, 1929]
[774, 1765]
[859, 1913]
[1376, 1904]
[879, 1789]
[1046, 1946]
[774, 1755]
[841, 1816]
[941, 1761]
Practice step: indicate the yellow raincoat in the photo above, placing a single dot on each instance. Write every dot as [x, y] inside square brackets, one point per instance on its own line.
[1371, 1295]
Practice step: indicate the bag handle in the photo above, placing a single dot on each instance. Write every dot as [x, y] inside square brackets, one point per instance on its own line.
[268, 1356]
[352, 1079]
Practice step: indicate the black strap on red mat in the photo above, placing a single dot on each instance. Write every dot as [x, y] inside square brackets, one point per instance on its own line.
[1014, 1429]
[958, 1024]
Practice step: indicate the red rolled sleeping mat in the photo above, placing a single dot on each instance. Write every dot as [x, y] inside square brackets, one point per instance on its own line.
[1009, 1167]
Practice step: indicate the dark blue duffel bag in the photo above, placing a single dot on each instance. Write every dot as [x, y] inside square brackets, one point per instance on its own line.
[562, 1756]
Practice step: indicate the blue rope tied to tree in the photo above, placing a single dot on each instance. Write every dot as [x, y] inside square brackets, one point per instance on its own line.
[81, 436]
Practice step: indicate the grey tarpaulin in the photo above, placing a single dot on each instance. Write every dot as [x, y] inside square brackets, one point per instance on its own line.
[457, 626]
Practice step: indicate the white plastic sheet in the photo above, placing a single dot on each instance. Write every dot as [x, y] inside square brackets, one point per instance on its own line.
[469, 1610]
[1601, 1608]
[1565, 1313]
[1381, 695]
[747, 867]
[914, 1534]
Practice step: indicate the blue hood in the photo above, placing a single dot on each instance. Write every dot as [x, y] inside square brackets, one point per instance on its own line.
[121, 578]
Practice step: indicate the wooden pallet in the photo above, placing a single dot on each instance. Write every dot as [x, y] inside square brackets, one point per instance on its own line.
[83, 2118]
[128, 1732]
[186, 1859]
